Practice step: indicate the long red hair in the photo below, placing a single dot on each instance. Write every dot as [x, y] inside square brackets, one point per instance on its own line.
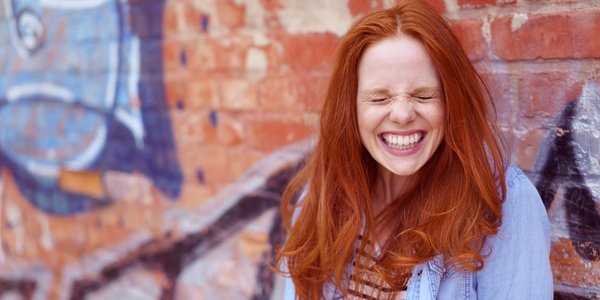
[457, 197]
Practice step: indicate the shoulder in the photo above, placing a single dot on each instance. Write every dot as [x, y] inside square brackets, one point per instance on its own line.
[521, 195]
[514, 176]
[518, 255]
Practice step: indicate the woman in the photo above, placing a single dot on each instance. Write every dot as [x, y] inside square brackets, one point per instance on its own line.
[407, 194]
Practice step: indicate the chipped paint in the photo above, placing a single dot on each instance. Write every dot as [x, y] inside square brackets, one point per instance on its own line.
[318, 16]
[256, 64]
[517, 21]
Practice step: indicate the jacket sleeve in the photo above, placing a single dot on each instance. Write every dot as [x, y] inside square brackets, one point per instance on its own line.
[519, 265]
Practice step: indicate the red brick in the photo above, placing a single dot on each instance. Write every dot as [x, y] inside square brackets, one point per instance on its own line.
[570, 269]
[194, 128]
[240, 160]
[212, 161]
[188, 128]
[526, 145]
[548, 36]
[470, 35]
[476, 3]
[171, 20]
[202, 56]
[274, 54]
[269, 132]
[171, 52]
[312, 90]
[311, 51]
[546, 93]
[231, 55]
[201, 93]
[237, 94]
[500, 87]
[176, 90]
[231, 14]
[358, 6]
[229, 129]
[279, 93]
[191, 18]
[439, 5]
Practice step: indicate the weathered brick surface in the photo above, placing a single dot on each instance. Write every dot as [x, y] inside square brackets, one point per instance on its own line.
[170, 102]
[547, 36]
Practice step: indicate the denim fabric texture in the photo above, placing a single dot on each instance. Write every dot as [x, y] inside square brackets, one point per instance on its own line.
[517, 268]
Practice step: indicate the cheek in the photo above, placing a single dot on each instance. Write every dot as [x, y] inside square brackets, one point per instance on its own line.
[436, 117]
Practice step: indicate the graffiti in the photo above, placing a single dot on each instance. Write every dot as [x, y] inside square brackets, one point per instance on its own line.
[169, 257]
[570, 167]
[74, 106]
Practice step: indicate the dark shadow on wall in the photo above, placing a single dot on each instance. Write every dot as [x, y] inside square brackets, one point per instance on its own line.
[561, 172]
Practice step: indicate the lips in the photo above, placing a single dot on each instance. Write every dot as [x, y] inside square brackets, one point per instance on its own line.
[402, 141]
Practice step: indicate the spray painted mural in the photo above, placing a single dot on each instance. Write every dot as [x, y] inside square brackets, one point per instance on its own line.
[72, 104]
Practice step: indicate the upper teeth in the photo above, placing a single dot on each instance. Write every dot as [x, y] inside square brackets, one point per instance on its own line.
[402, 140]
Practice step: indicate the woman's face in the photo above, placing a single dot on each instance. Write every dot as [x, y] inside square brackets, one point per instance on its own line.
[400, 105]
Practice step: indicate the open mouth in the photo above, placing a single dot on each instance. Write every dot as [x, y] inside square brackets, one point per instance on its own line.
[402, 142]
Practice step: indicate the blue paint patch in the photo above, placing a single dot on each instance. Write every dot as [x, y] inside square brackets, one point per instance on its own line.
[204, 22]
[200, 176]
[183, 57]
[180, 104]
[214, 119]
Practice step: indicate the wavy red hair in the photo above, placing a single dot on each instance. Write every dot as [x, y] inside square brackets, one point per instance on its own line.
[457, 197]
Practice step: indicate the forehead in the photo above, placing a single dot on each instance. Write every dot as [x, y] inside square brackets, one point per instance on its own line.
[398, 63]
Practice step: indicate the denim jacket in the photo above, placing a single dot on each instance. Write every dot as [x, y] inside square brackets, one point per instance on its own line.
[517, 268]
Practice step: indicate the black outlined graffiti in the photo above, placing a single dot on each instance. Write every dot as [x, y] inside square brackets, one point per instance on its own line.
[23, 288]
[170, 257]
[561, 171]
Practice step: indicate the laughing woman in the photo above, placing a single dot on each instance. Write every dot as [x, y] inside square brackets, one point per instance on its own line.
[408, 193]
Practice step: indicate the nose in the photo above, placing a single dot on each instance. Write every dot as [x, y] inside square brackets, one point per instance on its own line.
[402, 111]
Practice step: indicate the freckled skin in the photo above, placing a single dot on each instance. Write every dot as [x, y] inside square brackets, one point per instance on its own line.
[399, 93]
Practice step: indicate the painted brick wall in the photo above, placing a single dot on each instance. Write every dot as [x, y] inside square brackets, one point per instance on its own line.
[143, 143]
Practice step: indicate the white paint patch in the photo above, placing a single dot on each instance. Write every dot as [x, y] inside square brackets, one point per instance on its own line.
[517, 21]
[14, 218]
[256, 64]
[451, 5]
[486, 30]
[134, 68]
[388, 3]
[586, 125]
[127, 187]
[41, 169]
[54, 91]
[113, 68]
[91, 152]
[46, 239]
[72, 4]
[255, 14]
[315, 16]
[132, 120]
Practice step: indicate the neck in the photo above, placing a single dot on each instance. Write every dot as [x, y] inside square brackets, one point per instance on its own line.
[388, 187]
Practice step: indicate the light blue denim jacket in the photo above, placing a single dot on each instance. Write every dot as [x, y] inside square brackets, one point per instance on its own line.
[517, 268]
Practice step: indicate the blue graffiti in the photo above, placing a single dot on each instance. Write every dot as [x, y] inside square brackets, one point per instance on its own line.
[72, 98]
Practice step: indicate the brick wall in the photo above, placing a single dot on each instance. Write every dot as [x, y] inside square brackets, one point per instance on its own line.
[129, 129]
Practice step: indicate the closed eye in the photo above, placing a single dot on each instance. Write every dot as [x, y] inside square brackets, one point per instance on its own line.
[377, 100]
